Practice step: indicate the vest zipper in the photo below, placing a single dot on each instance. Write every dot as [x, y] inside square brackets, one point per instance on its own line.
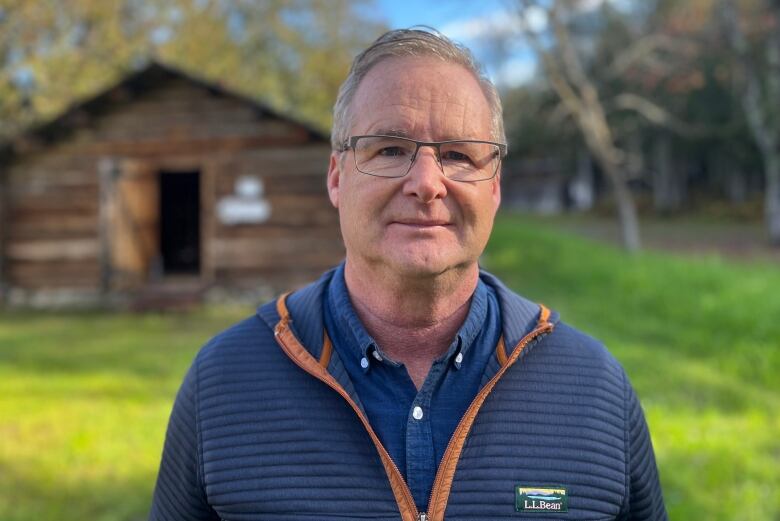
[451, 455]
[325, 377]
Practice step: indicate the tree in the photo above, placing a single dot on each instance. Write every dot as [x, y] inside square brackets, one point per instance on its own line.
[635, 81]
[56, 52]
[757, 66]
[291, 53]
[580, 97]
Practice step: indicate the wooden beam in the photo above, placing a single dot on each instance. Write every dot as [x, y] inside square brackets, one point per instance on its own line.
[4, 224]
[107, 171]
[208, 225]
[168, 146]
[52, 250]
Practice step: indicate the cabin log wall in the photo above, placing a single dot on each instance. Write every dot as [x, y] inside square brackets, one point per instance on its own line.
[53, 235]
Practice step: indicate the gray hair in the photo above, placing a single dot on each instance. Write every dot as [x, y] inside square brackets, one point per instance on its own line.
[410, 43]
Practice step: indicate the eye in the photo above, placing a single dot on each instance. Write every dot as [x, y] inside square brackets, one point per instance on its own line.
[456, 156]
[391, 151]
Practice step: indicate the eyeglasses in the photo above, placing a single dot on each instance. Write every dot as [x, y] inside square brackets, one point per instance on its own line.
[392, 156]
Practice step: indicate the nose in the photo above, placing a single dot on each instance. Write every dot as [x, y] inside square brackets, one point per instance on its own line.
[425, 179]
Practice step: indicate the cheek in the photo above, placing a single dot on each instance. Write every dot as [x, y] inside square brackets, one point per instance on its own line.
[478, 207]
[483, 225]
[479, 217]
[349, 193]
[370, 196]
[358, 207]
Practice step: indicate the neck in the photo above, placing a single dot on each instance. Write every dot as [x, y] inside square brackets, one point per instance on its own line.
[414, 319]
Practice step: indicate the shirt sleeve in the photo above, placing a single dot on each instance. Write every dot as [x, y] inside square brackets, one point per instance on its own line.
[179, 494]
[645, 500]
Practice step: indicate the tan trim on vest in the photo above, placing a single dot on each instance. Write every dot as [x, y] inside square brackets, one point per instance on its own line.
[281, 308]
[327, 350]
[501, 351]
[544, 314]
[442, 485]
[295, 350]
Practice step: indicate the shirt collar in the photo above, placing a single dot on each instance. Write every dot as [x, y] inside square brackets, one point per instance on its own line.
[348, 325]
[474, 320]
[351, 329]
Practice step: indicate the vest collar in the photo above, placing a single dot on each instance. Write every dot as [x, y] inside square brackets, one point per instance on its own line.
[519, 315]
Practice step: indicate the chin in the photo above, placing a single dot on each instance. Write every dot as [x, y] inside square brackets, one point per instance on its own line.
[425, 265]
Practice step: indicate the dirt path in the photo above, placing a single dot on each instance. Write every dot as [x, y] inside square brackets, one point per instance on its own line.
[733, 240]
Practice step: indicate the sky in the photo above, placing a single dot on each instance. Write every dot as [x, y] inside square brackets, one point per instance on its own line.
[405, 13]
[469, 22]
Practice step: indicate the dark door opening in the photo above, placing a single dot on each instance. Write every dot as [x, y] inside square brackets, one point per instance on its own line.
[180, 222]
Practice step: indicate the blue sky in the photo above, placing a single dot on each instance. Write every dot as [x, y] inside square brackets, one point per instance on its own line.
[405, 13]
[466, 21]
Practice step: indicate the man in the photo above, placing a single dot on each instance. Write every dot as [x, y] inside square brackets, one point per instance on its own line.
[406, 384]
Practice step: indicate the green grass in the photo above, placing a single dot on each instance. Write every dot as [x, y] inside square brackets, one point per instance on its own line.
[700, 340]
[84, 402]
[85, 397]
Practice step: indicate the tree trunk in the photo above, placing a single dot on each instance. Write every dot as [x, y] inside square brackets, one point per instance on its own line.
[626, 208]
[629, 223]
[772, 195]
[736, 183]
[599, 141]
[581, 189]
[668, 187]
[4, 223]
[757, 95]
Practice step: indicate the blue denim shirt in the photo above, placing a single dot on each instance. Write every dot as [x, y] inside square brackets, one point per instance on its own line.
[414, 426]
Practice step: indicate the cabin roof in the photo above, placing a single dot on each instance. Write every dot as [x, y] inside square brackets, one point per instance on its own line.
[129, 88]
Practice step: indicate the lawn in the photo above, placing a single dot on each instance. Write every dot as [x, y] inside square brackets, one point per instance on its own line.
[84, 397]
[84, 401]
[700, 340]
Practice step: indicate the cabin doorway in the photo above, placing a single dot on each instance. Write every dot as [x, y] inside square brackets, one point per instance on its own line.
[180, 222]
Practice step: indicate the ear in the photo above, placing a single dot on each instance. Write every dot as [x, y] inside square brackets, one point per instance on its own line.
[496, 190]
[334, 178]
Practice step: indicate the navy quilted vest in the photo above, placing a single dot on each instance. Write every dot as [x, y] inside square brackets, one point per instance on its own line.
[260, 431]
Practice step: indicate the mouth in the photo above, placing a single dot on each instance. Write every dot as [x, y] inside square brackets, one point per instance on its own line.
[422, 223]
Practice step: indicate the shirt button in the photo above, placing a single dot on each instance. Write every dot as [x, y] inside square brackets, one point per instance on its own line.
[459, 358]
[417, 413]
[364, 362]
[377, 355]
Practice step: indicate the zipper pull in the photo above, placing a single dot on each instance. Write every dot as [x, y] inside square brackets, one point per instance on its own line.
[422, 517]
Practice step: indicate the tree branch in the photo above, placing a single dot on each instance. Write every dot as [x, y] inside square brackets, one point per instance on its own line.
[657, 115]
[643, 50]
[764, 133]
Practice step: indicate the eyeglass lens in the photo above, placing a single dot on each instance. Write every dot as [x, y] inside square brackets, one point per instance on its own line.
[385, 156]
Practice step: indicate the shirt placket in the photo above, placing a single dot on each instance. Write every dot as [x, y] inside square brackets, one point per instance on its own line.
[420, 455]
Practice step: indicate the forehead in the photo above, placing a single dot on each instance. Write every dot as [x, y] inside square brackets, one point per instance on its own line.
[423, 97]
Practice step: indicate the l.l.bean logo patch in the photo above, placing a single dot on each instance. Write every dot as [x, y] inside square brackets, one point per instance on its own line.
[541, 498]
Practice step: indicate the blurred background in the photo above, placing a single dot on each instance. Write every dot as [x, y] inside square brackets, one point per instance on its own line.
[162, 172]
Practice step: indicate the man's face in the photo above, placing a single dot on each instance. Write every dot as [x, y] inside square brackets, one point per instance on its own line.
[422, 224]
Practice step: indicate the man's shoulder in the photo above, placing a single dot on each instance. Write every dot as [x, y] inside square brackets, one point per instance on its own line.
[244, 337]
[573, 342]
[564, 341]
[253, 335]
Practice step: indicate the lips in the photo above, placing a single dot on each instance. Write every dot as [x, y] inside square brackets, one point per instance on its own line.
[421, 223]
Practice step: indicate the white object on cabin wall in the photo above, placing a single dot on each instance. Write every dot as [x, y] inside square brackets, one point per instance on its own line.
[247, 206]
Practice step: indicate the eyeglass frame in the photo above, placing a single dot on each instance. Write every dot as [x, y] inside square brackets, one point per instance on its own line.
[349, 144]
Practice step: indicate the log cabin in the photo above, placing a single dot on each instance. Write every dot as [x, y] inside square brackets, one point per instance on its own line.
[163, 186]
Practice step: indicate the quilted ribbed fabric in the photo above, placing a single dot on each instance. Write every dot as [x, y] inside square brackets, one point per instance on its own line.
[253, 436]
[564, 416]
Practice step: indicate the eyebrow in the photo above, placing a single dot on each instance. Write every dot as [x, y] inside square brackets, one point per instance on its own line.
[396, 132]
